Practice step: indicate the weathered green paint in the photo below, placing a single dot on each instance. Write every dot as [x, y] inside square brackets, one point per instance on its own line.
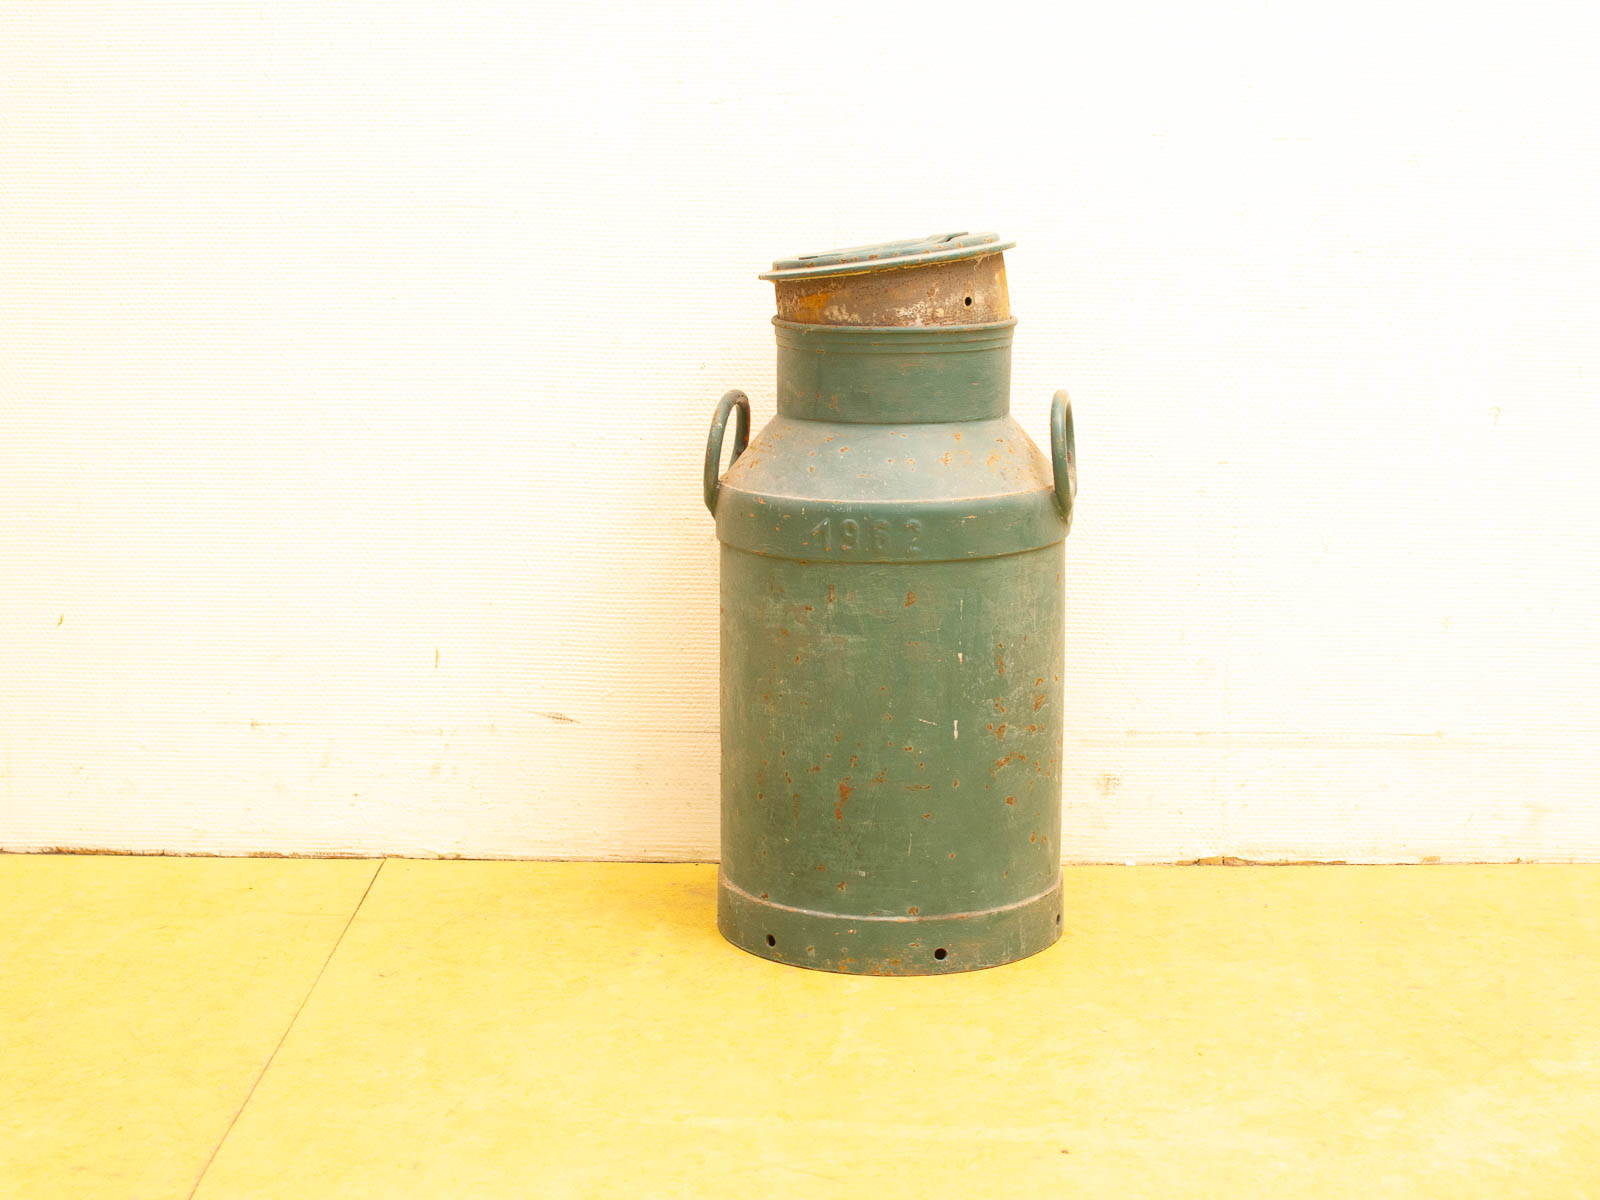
[895, 375]
[892, 645]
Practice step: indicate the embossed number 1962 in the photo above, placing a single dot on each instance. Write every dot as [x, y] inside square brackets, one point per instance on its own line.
[869, 533]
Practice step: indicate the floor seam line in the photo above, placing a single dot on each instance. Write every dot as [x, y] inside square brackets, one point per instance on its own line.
[287, 1029]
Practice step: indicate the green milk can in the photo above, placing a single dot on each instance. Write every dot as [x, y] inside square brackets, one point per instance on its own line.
[892, 624]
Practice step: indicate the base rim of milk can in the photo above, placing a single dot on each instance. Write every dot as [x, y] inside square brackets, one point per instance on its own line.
[889, 945]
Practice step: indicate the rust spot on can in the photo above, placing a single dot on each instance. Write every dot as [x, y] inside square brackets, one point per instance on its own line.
[1011, 800]
[911, 598]
[844, 796]
[964, 291]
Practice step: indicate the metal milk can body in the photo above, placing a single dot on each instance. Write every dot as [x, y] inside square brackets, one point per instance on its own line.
[892, 626]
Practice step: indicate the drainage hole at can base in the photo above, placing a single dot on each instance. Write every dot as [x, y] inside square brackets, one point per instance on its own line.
[968, 301]
[941, 953]
[771, 941]
[1058, 918]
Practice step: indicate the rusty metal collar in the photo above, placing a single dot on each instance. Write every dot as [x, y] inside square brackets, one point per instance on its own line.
[949, 279]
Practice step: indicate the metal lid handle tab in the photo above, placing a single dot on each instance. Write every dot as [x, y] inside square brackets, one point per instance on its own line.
[1064, 454]
[741, 439]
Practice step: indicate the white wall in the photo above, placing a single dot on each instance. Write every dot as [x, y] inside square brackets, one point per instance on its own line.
[355, 362]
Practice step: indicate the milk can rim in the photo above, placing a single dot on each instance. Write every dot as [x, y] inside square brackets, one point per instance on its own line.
[884, 256]
[895, 339]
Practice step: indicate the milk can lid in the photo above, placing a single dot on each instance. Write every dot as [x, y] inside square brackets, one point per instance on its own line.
[913, 252]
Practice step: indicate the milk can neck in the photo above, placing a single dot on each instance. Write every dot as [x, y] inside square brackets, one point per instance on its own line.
[894, 375]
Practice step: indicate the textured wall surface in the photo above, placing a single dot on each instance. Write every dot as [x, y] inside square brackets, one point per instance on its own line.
[355, 362]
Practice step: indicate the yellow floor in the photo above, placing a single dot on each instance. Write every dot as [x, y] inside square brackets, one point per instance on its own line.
[261, 1027]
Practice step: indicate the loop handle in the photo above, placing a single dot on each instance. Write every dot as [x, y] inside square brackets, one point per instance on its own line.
[741, 439]
[1064, 454]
